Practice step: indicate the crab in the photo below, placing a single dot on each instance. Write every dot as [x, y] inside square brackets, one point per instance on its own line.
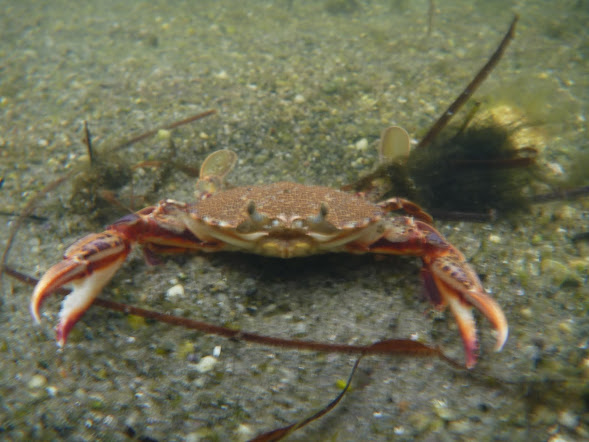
[282, 220]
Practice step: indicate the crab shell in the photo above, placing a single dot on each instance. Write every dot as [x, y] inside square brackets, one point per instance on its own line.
[284, 220]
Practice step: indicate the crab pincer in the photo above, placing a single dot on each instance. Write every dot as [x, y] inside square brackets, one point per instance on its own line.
[88, 265]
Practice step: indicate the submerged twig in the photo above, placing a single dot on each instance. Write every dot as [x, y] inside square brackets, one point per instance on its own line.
[25, 213]
[32, 203]
[31, 217]
[471, 88]
[174, 125]
[561, 194]
[430, 17]
[88, 142]
[280, 433]
[526, 156]
[384, 347]
[473, 217]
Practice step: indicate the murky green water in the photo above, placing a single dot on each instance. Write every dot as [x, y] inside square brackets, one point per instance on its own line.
[298, 86]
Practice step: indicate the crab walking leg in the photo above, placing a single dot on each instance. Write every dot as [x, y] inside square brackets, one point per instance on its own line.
[88, 265]
[449, 279]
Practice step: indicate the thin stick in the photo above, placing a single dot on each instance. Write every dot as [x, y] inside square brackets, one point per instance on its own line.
[430, 17]
[471, 88]
[384, 347]
[88, 141]
[166, 127]
[471, 217]
[280, 433]
[561, 194]
[31, 217]
[32, 203]
[25, 213]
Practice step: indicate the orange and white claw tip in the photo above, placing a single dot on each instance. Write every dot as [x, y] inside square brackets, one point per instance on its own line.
[57, 276]
[84, 291]
[491, 310]
[456, 280]
[34, 308]
[63, 329]
[40, 292]
[467, 327]
[85, 288]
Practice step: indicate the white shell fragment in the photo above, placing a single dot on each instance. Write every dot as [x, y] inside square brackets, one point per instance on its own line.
[206, 364]
[176, 291]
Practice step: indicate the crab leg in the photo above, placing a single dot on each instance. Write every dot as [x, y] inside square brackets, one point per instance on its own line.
[449, 279]
[90, 263]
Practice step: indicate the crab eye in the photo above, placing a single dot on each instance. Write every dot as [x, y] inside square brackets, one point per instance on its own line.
[318, 223]
[297, 224]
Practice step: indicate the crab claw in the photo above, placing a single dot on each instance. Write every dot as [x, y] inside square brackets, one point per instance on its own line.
[88, 265]
[449, 280]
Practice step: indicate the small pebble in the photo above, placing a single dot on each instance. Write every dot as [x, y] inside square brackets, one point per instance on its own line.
[567, 419]
[37, 381]
[300, 329]
[557, 271]
[176, 291]
[299, 99]
[496, 239]
[460, 426]
[585, 367]
[206, 364]
[244, 432]
[566, 326]
[442, 411]
[362, 144]
[419, 422]
[163, 134]
[555, 168]
[558, 438]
